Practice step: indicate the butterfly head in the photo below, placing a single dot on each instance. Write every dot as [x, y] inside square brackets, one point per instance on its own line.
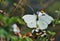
[42, 11]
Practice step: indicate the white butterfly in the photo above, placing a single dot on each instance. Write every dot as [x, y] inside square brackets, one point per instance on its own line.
[42, 22]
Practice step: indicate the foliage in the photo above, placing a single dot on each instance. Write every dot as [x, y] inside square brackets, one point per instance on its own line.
[1, 1]
[18, 8]
[3, 33]
[6, 28]
[9, 7]
[56, 21]
[51, 33]
[15, 7]
[13, 38]
[52, 9]
[9, 21]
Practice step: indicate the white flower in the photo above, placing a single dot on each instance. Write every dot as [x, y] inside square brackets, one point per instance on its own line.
[15, 28]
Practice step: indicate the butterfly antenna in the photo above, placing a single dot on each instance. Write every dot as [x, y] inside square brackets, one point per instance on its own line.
[31, 8]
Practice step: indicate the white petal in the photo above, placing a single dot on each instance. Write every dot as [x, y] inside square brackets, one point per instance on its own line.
[14, 26]
[15, 30]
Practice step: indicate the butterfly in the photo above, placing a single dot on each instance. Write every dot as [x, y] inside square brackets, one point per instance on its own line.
[42, 23]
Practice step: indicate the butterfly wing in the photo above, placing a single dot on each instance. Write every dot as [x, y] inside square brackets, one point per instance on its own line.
[43, 21]
[42, 25]
[46, 18]
[49, 18]
[31, 24]
[30, 20]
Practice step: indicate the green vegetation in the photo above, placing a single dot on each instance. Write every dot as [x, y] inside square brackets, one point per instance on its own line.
[15, 10]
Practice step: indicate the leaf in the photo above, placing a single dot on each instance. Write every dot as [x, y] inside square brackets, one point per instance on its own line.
[3, 32]
[20, 21]
[20, 38]
[1, 17]
[28, 39]
[51, 33]
[12, 20]
[4, 19]
[13, 38]
[56, 21]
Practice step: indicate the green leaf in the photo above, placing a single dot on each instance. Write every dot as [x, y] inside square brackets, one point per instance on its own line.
[51, 33]
[56, 21]
[20, 21]
[3, 32]
[13, 20]
[13, 38]
[28, 39]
